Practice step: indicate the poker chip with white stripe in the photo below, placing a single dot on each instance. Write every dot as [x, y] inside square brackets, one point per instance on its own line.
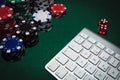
[42, 16]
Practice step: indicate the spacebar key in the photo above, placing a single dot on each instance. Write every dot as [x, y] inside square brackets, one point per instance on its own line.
[70, 53]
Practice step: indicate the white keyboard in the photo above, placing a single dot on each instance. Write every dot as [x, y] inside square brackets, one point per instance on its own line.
[86, 57]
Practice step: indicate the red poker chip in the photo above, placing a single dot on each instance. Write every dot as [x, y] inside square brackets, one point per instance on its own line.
[4, 35]
[58, 9]
[8, 25]
[58, 16]
[5, 12]
[103, 22]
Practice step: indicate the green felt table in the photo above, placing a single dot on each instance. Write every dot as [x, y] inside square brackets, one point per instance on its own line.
[80, 14]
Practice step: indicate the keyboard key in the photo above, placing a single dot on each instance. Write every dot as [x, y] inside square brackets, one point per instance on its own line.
[70, 77]
[61, 72]
[113, 72]
[70, 53]
[79, 72]
[100, 45]
[81, 61]
[53, 65]
[104, 56]
[95, 50]
[70, 65]
[85, 53]
[100, 75]
[87, 44]
[75, 46]
[88, 77]
[83, 35]
[91, 40]
[119, 68]
[61, 58]
[79, 39]
[103, 65]
[109, 78]
[114, 62]
[90, 68]
[94, 59]
[110, 51]
[117, 56]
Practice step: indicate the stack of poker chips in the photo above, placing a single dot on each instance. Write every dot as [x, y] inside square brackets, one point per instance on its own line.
[21, 8]
[12, 48]
[27, 30]
[103, 26]
[7, 21]
[44, 20]
[19, 30]
[41, 14]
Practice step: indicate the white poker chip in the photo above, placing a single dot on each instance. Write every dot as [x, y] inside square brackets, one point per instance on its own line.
[42, 16]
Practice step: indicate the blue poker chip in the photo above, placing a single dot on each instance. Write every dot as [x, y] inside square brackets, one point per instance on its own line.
[2, 2]
[11, 44]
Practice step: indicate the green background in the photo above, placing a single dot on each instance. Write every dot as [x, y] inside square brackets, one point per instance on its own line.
[80, 14]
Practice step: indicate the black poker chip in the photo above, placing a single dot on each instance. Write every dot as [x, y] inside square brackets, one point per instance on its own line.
[40, 5]
[26, 28]
[13, 58]
[31, 41]
[45, 28]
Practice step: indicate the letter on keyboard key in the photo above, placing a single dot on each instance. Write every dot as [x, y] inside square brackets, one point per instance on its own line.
[109, 51]
[113, 72]
[90, 68]
[114, 62]
[53, 65]
[70, 65]
[78, 39]
[95, 50]
[85, 53]
[81, 62]
[100, 75]
[61, 58]
[94, 59]
[103, 65]
[83, 35]
[79, 72]
[87, 44]
[70, 53]
[75, 46]
[70, 77]
[88, 77]
[61, 72]
[100, 45]
[104, 55]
